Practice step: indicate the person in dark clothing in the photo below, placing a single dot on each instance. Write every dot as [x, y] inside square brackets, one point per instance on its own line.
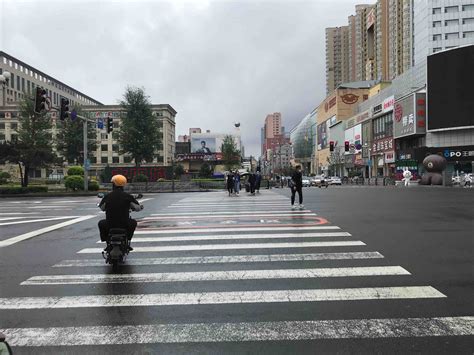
[252, 183]
[297, 186]
[230, 183]
[258, 180]
[117, 205]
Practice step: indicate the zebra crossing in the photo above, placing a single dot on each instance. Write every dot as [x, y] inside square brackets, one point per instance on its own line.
[269, 256]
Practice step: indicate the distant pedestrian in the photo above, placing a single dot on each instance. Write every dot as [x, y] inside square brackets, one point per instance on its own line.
[230, 183]
[237, 182]
[252, 183]
[467, 180]
[296, 184]
[258, 181]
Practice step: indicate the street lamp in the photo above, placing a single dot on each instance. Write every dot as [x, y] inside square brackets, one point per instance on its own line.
[4, 80]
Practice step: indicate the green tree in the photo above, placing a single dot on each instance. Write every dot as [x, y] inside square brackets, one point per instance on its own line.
[70, 139]
[139, 134]
[205, 171]
[230, 153]
[33, 147]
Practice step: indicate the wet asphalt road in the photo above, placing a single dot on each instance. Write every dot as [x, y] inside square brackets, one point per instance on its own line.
[213, 246]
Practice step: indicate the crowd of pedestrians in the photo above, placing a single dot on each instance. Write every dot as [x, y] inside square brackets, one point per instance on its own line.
[234, 179]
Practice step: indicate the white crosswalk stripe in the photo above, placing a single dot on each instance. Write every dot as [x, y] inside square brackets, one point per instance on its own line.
[243, 254]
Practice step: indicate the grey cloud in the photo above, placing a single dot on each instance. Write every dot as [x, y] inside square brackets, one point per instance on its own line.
[214, 63]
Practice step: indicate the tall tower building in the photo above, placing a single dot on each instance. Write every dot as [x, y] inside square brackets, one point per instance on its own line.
[382, 40]
[400, 36]
[337, 57]
[358, 35]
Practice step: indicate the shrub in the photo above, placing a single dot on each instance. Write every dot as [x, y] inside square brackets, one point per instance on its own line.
[4, 176]
[93, 186]
[140, 178]
[7, 190]
[75, 170]
[74, 182]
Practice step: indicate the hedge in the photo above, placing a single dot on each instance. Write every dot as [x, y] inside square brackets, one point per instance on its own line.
[140, 178]
[75, 170]
[14, 190]
[74, 182]
[93, 186]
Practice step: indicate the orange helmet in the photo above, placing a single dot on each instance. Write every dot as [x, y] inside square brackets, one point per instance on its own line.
[119, 180]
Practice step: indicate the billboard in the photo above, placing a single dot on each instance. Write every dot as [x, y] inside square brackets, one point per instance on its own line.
[322, 135]
[409, 116]
[204, 145]
[450, 79]
[354, 136]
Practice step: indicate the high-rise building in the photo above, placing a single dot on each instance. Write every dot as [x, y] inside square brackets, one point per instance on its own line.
[440, 25]
[337, 57]
[382, 53]
[364, 47]
[273, 125]
[400, 32]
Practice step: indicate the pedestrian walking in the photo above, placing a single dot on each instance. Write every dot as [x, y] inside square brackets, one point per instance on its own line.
[296, 184]
[252, 183]
[237, 182]
[467, 180]
[230, 183]
[258, 181]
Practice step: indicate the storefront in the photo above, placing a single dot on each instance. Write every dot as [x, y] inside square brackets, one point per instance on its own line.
[382, 149]
[409, 129]
[460, 159]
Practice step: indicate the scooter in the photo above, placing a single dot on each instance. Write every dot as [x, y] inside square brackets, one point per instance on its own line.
[117, 243]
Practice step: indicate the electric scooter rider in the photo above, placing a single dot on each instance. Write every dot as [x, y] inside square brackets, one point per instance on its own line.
[116, 206]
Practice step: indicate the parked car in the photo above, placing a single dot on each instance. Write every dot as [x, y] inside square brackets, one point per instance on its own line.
[335, 180]
[320, 181]
[306, 181]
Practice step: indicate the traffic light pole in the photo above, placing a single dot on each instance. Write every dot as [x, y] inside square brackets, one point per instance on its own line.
[85, 120]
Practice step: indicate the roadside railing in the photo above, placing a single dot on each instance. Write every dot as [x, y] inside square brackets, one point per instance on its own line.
[374, 181]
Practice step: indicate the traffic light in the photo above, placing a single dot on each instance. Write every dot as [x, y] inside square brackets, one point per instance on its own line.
[40, 100]
[346, 146]
[64, 109]
[331, 146]
[110, 124]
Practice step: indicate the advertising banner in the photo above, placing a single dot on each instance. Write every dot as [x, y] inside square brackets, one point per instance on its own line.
[354, 137]
[460, 153]
[409, 116]
[323, 136]
[204, 145]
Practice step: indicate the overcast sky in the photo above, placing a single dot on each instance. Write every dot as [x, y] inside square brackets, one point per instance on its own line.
[215, 62]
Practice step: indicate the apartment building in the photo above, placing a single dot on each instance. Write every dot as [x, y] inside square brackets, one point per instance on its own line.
[337, 57]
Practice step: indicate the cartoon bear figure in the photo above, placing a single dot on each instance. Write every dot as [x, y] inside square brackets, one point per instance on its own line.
[434, 165]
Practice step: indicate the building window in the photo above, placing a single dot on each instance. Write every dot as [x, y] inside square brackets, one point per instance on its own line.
[103, 136]
[451, 9]
[469, 7]
[127, 159]
[437, 37]
[93, 160]
[468, 21]
[454, 35]
[436, 10]
[115, 148]
[18, 86]
[14, 126]
[2, 125]
[104, 147]
[437, 49]
[104, 160]
[115, 160]
[23, 84]
[468, 34]
[451, 22]
[436, 23]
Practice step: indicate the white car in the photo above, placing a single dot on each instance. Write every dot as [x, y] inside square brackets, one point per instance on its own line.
[335, 180]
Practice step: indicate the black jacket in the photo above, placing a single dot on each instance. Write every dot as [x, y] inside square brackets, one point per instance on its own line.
[297, 178]
[117, 208]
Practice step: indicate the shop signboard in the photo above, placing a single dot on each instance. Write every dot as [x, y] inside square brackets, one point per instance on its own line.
[409, 116]
[390, 157]
[353, 135]
[199, 157]
[382, 145]
[361, 117]
[387, 104]
[452, 154]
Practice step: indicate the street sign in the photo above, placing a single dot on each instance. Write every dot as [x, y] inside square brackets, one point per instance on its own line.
[100, 123]
[73, 115]
[87, 164]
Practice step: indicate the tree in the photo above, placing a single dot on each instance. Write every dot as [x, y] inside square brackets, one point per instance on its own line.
[205, 171]
[70, 139]
[33, 146]
[230, 153]
[139, 134]
[178, 171]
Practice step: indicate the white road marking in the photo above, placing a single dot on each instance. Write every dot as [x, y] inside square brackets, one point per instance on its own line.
[214, 298]
[12, 218]
[37, 220]
[231, 247]
[238, 236]
[228, 259]
[18, 213]
[232, 229]
[22, 237]
[242, 332]
[218, 213]
[229, 275]
[171, 217]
